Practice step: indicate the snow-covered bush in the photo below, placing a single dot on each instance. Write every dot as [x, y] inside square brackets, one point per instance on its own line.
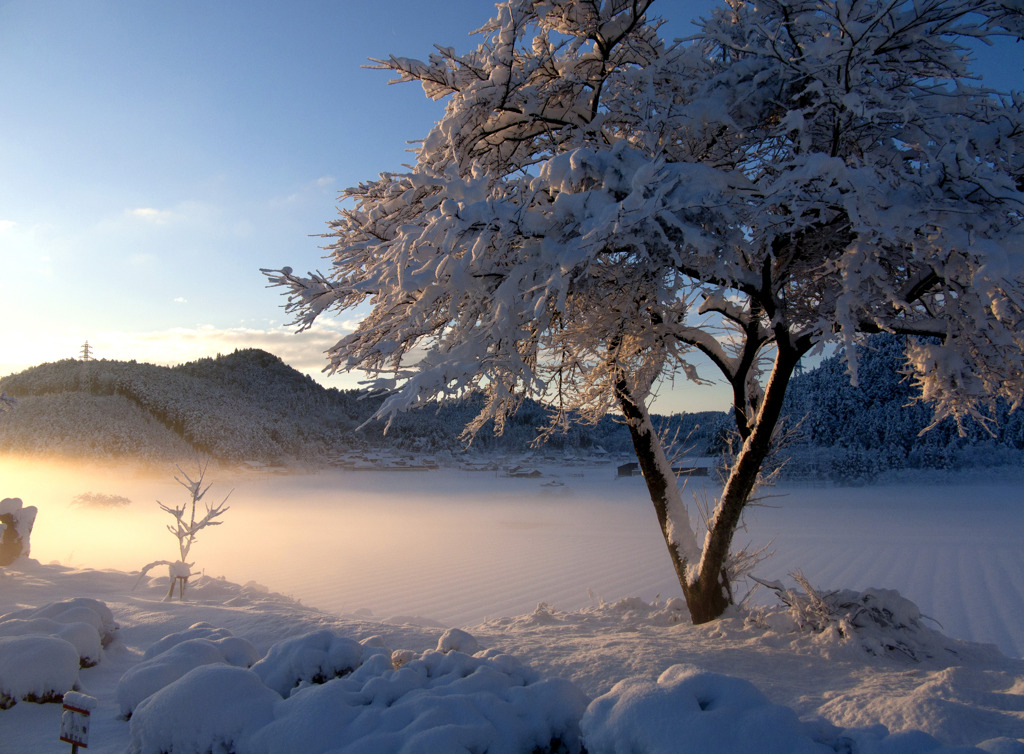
[210, 709]
[36, 669]
[81, 636]
[690, 711]
[16, 522]
[180, 653]
[457, 640]
[435, 702]
[83, 609]
[877, 621]
[309, 659]
[86, 623]
[235, 651]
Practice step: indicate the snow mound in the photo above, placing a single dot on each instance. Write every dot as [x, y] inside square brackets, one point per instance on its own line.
[457, 640]
[630, 611]
[437, 702]
[690, 711]
[42, 648]
[961, 705]
[81, 636]
[36, 669]
[236, 651]
[179, 653]
[77, 610]
[312, 658]
[345, 696]
[209, 709]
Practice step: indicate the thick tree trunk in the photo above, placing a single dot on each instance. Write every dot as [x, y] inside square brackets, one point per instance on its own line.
[710, 593]
[661, 483]
[706, 588]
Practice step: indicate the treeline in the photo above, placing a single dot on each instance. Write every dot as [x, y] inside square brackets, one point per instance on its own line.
[851, 434]
[250, 405]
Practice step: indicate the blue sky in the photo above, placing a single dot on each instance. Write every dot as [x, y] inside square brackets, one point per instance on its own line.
[153, 156]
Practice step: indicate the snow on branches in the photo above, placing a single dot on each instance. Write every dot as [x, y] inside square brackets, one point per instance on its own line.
[597, 205]
[186, 528]
[824, 167]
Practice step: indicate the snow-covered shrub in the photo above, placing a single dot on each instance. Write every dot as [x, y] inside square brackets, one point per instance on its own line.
[690, 711]
[236, 651]
[78, 609]
[435, 702]
[82, 636]
[878, 621]
[438, 702]
[210, 709]
[16, 522]
[457, 640]
[180, 655]
[311, 658]
[86, 623]
[36, 669]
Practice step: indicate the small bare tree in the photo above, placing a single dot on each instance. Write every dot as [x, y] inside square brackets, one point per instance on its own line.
[186, 527]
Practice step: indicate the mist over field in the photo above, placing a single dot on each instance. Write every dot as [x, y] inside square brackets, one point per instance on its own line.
[456, 546]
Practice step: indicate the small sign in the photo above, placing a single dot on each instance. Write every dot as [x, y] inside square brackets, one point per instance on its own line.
[74, 719]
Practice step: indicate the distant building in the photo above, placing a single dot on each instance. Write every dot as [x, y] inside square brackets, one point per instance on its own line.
[682, 467]
[628, 469]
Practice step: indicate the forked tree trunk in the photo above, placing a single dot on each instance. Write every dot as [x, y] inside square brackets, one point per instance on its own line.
[706, 587]
[661, 482]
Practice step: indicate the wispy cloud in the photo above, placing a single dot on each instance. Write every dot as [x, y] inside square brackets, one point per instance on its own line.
[154, 216]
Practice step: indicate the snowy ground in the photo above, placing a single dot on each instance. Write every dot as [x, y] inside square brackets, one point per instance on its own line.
[465, 549]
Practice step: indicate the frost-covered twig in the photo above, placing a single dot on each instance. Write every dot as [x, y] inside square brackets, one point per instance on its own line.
[878, 621]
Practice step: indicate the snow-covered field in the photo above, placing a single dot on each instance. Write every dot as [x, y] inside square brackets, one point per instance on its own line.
[404, 556]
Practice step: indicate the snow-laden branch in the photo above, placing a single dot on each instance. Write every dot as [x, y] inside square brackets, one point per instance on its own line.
[811, 172]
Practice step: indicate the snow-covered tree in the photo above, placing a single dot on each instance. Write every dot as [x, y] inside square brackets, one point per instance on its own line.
[186, 527]
[597, 205]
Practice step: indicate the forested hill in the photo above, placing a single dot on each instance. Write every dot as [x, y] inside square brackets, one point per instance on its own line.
[251, 406]
[854, 433]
